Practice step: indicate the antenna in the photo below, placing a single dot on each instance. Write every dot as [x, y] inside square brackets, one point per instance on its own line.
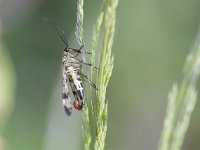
[63, 39]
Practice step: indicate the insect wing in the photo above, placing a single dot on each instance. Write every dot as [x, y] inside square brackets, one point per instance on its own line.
[77, 87]
[65, 93]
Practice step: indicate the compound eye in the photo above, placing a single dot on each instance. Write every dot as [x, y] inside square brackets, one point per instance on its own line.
[76, 105]
[66, 49]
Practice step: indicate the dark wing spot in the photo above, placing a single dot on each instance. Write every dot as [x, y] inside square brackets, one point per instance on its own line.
[80, 94]
[81, 84]
[74, 92]
[68, 110]
[78, 78]
[65, 96]
[70, 79]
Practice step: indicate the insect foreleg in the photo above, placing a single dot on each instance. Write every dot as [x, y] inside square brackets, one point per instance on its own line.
[74, 50]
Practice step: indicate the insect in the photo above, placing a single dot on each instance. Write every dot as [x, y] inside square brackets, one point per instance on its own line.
[71, 72]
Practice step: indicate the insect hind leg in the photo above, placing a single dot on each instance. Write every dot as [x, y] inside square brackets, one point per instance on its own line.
[89, 81]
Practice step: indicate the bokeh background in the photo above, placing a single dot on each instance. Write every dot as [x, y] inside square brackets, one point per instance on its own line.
[151, 42]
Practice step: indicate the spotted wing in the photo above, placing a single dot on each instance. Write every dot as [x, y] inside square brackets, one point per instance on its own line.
[73, 88]
[65, 92]
[79, 88]
[76, 86]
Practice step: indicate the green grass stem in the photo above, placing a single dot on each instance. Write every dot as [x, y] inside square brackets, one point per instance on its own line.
[80, 38]
[105, 25]
[182, 100]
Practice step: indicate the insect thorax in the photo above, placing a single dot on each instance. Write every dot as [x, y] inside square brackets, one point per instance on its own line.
[70, 60]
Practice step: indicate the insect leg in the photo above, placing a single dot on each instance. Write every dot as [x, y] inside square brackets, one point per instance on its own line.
[84, 52]
[78, 50]
[89, 81]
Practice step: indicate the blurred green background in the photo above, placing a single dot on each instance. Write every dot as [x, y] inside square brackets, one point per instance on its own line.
[151, 42]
